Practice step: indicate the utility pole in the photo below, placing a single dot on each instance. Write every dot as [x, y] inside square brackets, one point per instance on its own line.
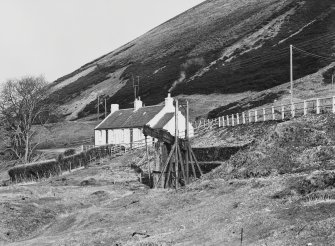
[333, 80]
[176, 143]
[105, 108]
[98, 107]
[138, 85]
[134, 86]
[291, 72]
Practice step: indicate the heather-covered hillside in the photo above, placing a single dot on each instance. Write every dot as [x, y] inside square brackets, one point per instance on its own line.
[219, 46]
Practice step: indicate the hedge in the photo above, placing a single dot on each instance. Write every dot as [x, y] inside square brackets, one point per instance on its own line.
[216, 153]
[45, 169]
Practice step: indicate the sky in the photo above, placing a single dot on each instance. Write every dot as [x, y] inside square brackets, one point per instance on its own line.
[55, 37]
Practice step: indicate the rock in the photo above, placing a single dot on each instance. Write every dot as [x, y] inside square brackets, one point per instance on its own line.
[100, 194]
[87, 182]
[140, 235]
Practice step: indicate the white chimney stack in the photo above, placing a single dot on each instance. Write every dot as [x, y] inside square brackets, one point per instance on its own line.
[138, 104]
[169, 103]
[114, 108]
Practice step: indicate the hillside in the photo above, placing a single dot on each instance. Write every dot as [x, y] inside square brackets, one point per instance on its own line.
[218, 47]
[280, 197]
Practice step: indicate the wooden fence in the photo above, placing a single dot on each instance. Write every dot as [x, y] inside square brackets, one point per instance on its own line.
[281, 112]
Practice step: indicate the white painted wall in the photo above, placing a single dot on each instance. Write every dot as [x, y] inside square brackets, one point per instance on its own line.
[170, 126]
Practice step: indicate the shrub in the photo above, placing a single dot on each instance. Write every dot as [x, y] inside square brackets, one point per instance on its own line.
[34, 171]
[215, 153]
[45, 169]
[69, 152]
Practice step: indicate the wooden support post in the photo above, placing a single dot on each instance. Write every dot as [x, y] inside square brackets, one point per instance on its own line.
[305, 107]
[165, 165]
[148, 162]
[273, 113]
[283, 112]
[256, 118]
[264, 116]
[243, 118]
[187, 138]
[227, 120]
[317, 106]
[223, 123]
[176, 143]
[188, 152]
[219, 121]
[292, 110]
[182, 164]
[168, 181]
[333, 105]
[237, 119]
[232, 120]
[249, 117]
[195, 159]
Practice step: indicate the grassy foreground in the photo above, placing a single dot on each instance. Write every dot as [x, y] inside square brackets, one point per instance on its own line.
[107, 205]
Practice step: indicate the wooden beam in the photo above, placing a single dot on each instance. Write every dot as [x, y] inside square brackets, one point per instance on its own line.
[181, 163]
[195, 160]
[165, 165]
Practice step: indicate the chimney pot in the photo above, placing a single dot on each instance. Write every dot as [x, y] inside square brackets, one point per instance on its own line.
[114, 108]
[169, 103]
[138, 104]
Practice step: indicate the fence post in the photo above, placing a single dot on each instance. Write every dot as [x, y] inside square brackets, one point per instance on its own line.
[219, 122]
[305, 107]
[227, 120]
[249, 116]
[317, 106]
[238, 119]
[232, 120]
[256, 119]
[292, 110]
[264, 116]
[273, 113]
[333, 106]
[223, 124]
[243, 117]
[282, 112]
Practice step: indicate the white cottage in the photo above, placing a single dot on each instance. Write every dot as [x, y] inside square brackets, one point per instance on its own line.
[125, 126]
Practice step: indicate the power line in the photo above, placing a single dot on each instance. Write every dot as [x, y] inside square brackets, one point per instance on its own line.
[314, 55]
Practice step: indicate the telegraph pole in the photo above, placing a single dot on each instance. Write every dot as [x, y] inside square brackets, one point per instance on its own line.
[98, 107]
[105, 108]
[138, 85]
[291, 72]
[333, 80]
[176, 143]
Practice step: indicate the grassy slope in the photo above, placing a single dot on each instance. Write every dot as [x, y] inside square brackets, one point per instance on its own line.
[63, 134]
[290, 209]
[243, 36]
[317, 85]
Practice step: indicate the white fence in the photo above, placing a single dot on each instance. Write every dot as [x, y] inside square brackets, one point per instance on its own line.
[140, 144]
[281, 112]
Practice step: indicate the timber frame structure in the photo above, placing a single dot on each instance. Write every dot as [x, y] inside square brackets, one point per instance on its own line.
[175, 162]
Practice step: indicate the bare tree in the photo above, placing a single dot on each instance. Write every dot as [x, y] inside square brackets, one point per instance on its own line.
[23, 103]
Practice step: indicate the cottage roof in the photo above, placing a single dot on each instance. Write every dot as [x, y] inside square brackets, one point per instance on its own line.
[164, 120]
[129, 118]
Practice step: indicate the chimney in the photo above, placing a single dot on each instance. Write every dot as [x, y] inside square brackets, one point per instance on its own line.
[138, 104]
[114, 108]
[169, 103]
